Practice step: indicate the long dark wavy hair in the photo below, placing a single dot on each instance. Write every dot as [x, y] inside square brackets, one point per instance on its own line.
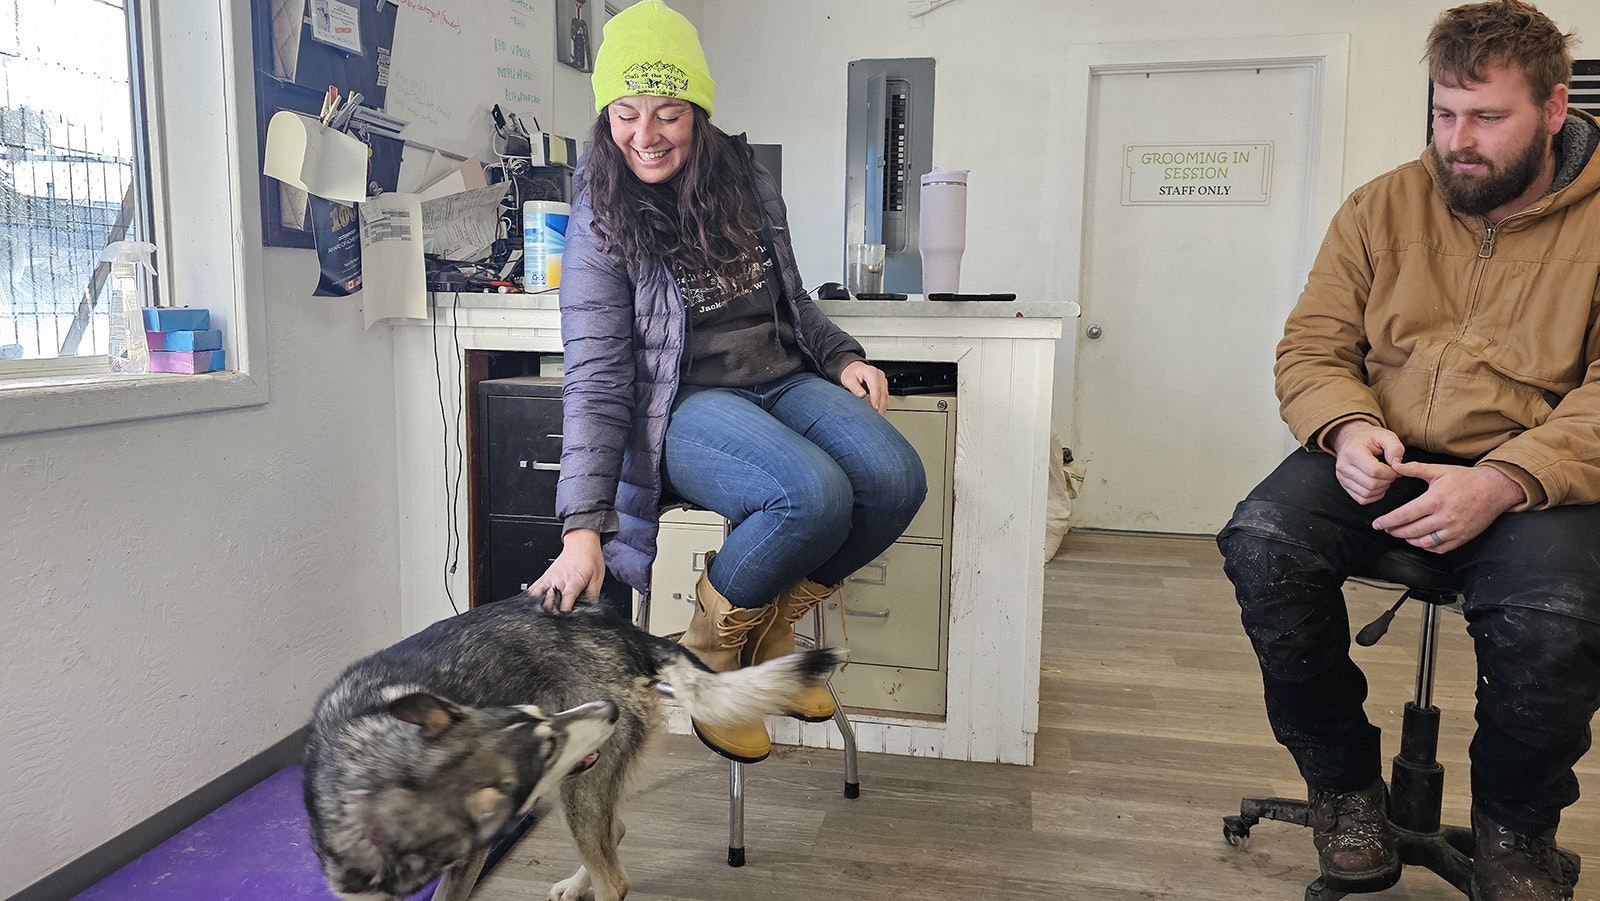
[705, 217]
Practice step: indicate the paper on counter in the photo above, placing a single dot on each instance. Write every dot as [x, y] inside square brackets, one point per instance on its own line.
[463, 226]
[321, 161]
[463, 176]
[395, 284]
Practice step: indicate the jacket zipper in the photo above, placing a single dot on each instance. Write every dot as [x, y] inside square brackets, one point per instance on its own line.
[1490, 229]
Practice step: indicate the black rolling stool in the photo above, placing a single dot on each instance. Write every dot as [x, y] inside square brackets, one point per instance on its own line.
[1416, 782]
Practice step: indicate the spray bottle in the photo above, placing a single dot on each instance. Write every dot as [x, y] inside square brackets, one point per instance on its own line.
[130, 352]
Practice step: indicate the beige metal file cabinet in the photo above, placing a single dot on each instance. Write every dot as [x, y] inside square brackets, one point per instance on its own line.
[681, 548]
[893, 613]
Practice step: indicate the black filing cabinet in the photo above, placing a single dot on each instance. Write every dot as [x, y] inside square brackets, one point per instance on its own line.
[519, 421]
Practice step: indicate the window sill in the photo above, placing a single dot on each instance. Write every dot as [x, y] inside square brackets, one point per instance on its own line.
[37, 405]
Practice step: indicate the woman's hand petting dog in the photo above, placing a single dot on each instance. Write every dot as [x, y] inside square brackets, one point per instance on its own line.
[577, 573]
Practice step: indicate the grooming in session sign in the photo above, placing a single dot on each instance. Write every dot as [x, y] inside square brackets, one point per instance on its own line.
[1197, 173]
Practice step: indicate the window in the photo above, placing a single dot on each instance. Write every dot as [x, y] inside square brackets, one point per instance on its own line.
[191, 125]
[72, 172]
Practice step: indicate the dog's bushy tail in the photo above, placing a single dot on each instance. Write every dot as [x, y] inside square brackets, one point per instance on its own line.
[742, 695]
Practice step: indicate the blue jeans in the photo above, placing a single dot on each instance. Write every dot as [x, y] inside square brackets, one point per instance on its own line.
[815, 481]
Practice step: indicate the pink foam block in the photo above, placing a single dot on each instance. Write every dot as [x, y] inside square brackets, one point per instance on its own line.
[186, 361]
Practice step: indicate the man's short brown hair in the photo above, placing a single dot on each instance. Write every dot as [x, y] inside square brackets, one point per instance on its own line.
[1467, 41]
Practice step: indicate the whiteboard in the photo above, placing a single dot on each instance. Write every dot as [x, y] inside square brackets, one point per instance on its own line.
[455, 59]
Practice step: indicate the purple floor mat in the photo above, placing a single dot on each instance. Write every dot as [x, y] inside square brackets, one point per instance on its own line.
[256, 847]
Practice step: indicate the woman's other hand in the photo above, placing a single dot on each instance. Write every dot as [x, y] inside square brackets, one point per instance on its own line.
[868, 381]
[578, 572]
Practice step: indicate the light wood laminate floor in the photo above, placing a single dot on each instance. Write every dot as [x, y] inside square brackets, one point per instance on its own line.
[1151, 727]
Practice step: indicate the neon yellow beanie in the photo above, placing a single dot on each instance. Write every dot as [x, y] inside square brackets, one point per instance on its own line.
[650, 48]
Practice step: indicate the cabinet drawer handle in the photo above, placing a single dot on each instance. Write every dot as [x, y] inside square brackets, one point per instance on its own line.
[882, 568]
[547, 467]
[873, 614]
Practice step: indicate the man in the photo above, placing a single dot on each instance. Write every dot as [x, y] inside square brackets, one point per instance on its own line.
[1442, 372]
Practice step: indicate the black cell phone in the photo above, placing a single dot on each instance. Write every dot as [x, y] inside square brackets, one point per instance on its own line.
[946, 296]
[880, 297]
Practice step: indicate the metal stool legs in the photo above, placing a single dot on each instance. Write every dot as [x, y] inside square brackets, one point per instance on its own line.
[852, 781]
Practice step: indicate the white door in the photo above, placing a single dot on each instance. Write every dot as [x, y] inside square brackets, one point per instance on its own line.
[1183, 303]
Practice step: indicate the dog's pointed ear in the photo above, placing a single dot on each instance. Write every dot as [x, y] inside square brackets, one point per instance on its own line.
[432, 714]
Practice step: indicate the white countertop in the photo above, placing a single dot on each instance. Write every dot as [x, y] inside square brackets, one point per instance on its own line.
[916, 305]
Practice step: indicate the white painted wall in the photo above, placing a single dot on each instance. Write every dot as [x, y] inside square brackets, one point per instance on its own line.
[178, 590]
[780, 68]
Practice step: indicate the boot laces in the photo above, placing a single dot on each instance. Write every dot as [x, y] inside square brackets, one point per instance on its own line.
[1539, 851]
[734, 631]
[803, 598]
[1356, 817]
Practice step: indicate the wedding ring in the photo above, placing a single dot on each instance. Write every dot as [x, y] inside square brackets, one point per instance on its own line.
[1436, 539]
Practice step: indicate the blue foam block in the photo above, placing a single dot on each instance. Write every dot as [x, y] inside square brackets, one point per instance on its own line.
[176, 319]
[210, 339]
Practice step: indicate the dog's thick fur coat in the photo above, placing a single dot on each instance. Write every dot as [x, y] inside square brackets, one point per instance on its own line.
[419, 754]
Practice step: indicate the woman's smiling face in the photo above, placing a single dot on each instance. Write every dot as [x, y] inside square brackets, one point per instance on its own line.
[653, 134]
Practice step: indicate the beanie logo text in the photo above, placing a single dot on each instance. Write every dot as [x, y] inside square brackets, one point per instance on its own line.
[659, 78]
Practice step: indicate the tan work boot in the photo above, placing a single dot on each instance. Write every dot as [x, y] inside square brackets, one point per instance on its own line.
[717, 635]
[777, 640]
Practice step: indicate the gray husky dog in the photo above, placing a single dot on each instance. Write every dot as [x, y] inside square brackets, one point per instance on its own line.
[417, 756]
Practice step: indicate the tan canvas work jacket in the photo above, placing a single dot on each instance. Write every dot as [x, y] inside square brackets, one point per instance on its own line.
[1463, 337]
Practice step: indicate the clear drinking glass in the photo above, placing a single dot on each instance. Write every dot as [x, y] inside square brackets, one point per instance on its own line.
[864, 272]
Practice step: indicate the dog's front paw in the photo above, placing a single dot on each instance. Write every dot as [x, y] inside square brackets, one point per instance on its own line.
[572, 888]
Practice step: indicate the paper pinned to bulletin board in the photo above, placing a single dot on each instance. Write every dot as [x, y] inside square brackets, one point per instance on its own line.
[438, 66]
[454, 62]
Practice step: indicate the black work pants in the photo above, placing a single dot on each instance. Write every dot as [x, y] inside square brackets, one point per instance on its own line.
[1532, 605]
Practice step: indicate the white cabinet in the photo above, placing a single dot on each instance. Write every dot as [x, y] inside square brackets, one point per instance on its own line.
[1005, 354]
[893, 613]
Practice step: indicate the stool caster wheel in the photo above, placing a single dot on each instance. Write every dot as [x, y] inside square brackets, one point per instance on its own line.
[1236, 831]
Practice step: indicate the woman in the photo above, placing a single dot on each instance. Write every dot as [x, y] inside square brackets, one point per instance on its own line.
[696, 367]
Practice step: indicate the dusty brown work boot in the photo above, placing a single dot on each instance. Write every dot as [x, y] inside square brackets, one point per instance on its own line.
[1509, 866]
[1355, 842]
[776, 639]
[717, 634]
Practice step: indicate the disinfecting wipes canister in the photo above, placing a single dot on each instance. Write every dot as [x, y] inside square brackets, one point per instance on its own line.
[544, 235]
